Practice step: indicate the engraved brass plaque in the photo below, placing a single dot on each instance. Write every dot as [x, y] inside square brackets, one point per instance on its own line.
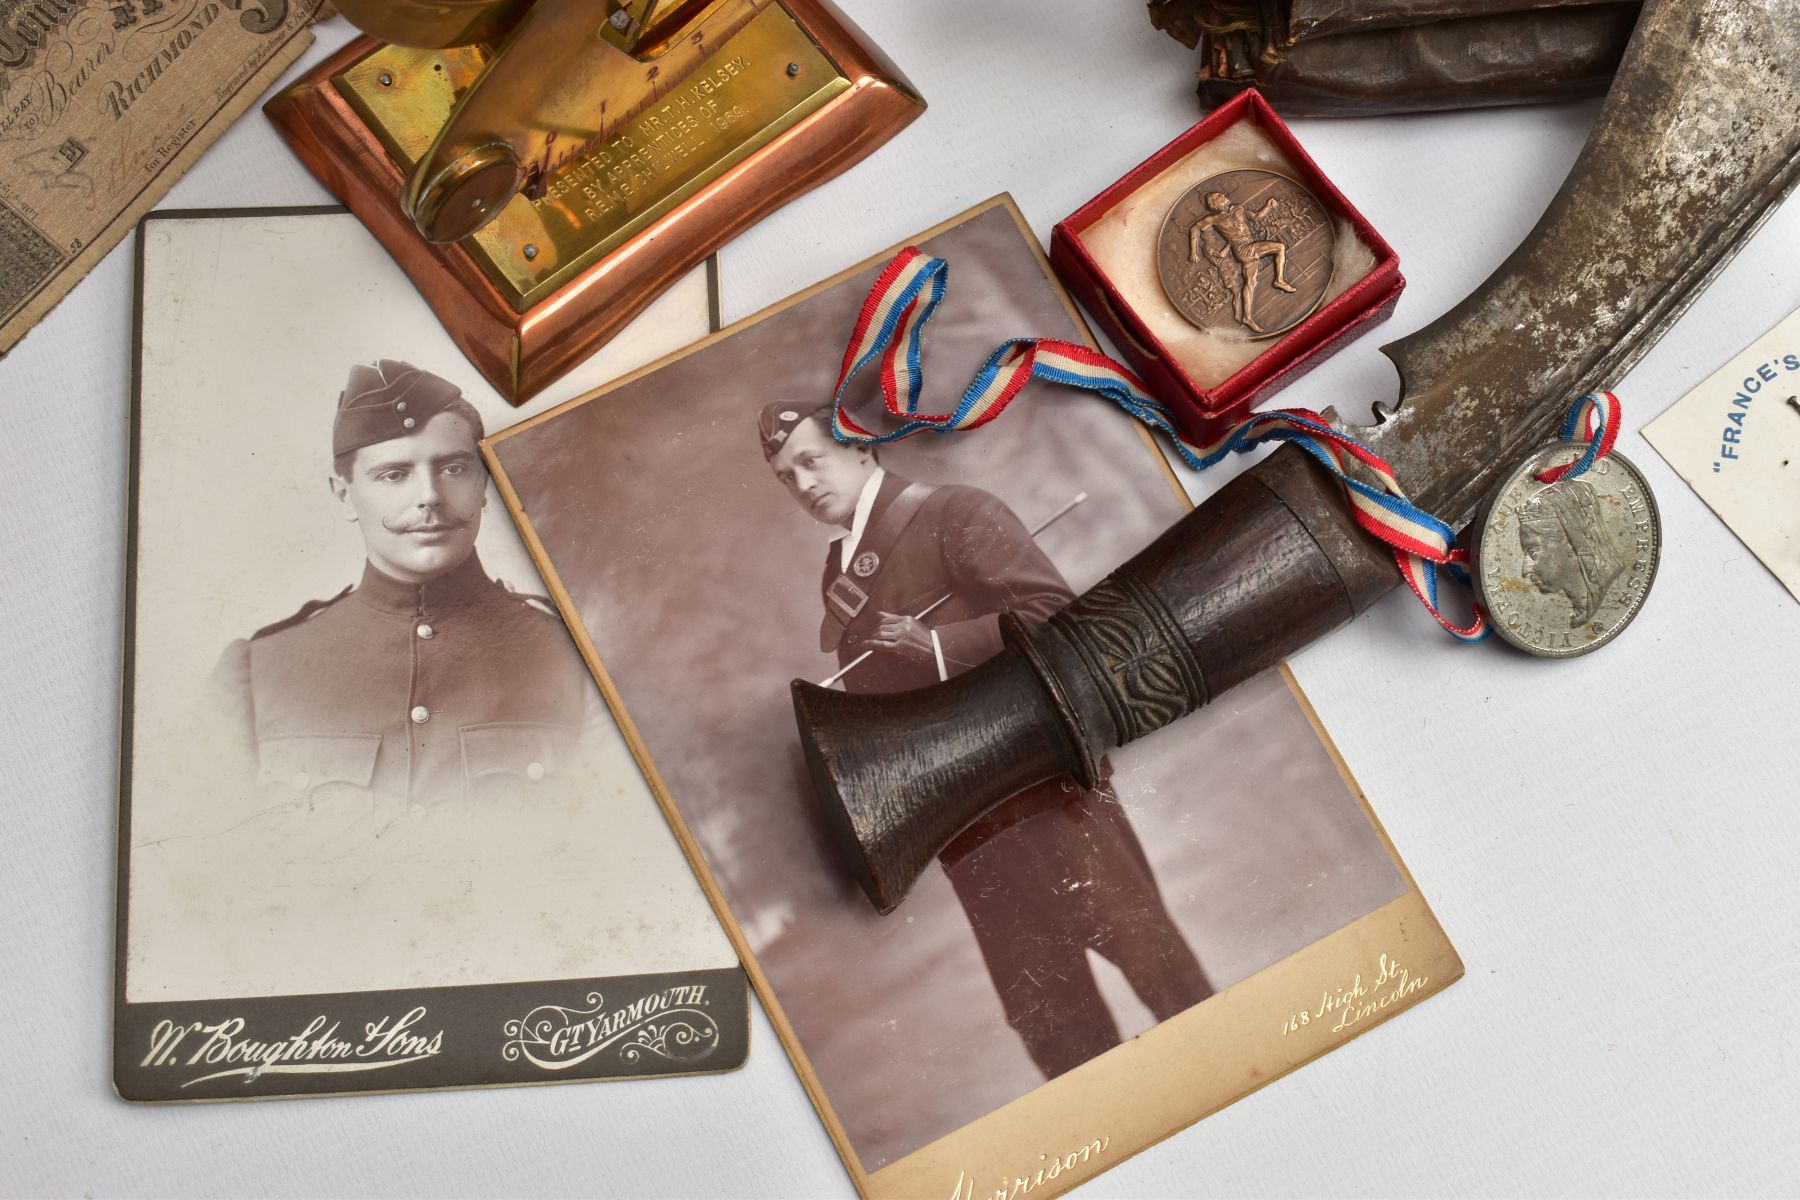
[769, 77]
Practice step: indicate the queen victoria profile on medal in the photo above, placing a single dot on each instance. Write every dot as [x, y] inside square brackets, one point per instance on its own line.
[1590, 542]
[1568, 551]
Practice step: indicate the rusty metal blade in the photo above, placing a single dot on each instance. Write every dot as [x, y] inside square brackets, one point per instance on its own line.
[1696, 144]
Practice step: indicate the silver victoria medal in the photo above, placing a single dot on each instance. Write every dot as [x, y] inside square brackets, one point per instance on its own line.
[1562, 567]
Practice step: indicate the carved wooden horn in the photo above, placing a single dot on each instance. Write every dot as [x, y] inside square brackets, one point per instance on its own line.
[1263, 568]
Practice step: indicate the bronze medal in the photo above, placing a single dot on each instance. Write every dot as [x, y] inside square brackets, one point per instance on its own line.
[1247, 253]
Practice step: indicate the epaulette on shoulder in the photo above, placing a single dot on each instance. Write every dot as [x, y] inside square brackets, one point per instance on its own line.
[308, 611]
[542, 604]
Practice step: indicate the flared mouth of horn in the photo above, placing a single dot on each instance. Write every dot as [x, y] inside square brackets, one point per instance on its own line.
[845, 832]
[900, 774]
[820, 716]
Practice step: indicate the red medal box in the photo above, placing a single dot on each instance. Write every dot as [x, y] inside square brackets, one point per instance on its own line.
[1106, 254]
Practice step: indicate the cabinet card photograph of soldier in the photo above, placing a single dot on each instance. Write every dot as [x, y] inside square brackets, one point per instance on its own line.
[378, 829]
[1083, 970]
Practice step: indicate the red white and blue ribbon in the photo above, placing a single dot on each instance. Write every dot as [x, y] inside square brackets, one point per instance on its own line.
[890, 331]
[1593, 419]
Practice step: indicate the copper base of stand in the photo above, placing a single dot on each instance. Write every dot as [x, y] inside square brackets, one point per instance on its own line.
[554, 278]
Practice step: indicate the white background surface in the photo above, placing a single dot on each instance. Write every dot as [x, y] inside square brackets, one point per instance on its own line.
[1609, 841]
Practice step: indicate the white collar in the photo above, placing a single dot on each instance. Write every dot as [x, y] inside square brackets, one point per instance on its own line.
[860, 521]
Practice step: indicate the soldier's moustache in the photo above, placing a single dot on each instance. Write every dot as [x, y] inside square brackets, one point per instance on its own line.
[429, 524]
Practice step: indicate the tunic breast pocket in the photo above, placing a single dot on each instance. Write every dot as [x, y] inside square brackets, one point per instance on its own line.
[300, 765]
[514, 750]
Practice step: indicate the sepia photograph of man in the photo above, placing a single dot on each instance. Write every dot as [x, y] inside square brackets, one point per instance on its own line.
[735, 545]
[426, 682]
[363, 751]
[958, 555]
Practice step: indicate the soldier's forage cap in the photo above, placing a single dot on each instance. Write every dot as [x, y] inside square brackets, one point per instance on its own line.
[778, 420]
[388, 400]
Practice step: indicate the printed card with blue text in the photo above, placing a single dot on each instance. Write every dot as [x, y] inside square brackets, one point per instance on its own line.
[1736, 440]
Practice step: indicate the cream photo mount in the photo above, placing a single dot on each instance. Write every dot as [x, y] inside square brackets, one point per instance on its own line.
[294, 917]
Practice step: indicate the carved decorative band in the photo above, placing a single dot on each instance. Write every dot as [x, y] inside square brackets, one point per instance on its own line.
[1132, 647]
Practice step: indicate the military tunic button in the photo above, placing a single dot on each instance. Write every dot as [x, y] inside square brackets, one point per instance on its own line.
[408, 423]
[534, 772]
[420, 715]
[426, 632]
[400, 407]
[299, 781]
